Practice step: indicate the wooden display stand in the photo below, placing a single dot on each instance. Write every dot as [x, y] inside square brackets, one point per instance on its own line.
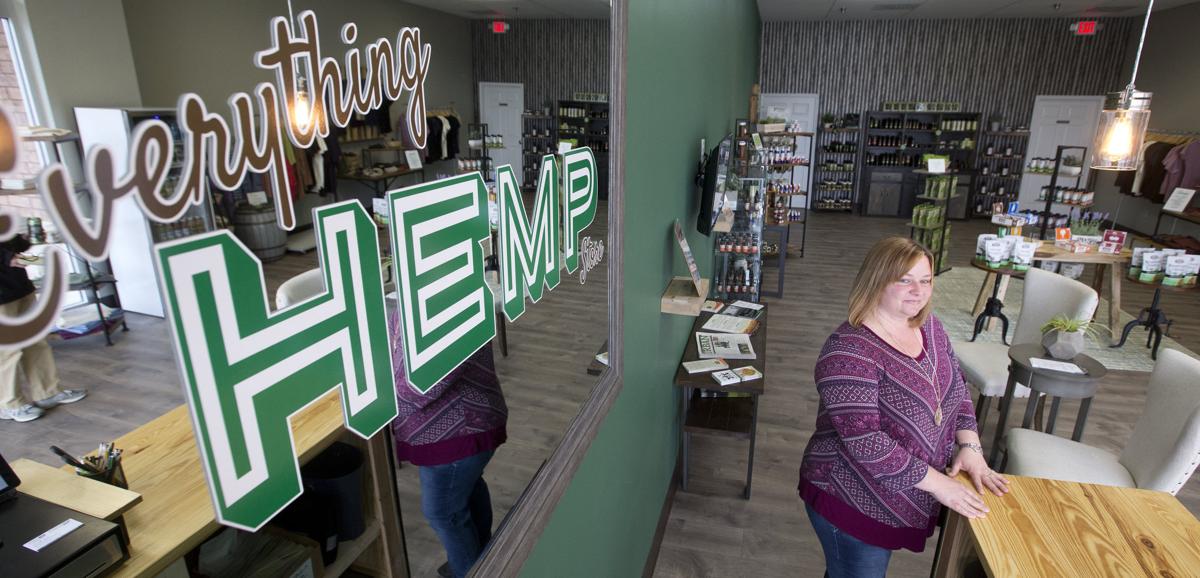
[175, 515]
[685, 295]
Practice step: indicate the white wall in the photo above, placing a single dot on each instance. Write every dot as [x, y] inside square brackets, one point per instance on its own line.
[82, 49]
[1170, 69]
[208, 47]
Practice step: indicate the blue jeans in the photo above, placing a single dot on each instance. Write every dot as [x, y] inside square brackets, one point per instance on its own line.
[845, 555]
[456, 502]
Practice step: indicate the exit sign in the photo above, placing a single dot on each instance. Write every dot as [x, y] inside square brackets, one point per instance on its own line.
[1085, 28]
[499, 27]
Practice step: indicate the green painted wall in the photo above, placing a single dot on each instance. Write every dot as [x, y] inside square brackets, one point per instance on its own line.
[691, 67]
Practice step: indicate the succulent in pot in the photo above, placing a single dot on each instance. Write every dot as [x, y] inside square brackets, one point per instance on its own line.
[1063, 337]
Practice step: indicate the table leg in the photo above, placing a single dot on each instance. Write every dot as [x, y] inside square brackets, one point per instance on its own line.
[1030, 409]
[1053, 415]
[1009, 391]
[1114, 302]
[753, 439]
[1084, 406]
[984, 292]
[1000, 293]
[955, 547]
[683, 475]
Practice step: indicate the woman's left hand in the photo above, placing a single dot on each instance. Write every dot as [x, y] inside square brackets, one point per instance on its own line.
[972, 462]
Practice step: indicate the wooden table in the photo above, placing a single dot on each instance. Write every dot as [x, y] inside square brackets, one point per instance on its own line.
[730, 416]
[1055, 528]
[1110, 261]
[162, 464]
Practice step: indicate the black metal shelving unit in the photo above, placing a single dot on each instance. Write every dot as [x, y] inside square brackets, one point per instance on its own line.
[891, 145]
[999, 166]
[586, 123]
[537, 140]
[838, 149]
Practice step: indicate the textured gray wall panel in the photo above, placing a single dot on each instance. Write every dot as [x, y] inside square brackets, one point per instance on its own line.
[552, 58]
[994, 66]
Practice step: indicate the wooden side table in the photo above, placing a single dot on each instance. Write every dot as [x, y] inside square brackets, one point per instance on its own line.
[1057, 384]
[993, 306]
[726, 416]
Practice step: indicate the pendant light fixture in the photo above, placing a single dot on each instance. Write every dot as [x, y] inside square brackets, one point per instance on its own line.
[1123, 122]
[301, 106]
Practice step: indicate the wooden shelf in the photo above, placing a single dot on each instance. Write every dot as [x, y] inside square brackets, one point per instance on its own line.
[350, 551]
[786, 134]
[726, 416]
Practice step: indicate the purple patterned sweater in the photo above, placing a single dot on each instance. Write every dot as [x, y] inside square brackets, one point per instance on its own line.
[462, 415]
[876, 434]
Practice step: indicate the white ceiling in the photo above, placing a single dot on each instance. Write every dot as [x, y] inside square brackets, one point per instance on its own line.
[513, 9]
[912, 9]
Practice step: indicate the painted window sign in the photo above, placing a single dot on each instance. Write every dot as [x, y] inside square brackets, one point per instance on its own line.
[247, 370]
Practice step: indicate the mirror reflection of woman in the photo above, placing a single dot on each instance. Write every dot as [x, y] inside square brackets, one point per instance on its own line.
[450, 433]
[894, 414]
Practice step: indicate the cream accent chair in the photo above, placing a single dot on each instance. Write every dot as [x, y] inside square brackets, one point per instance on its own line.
[299, 288]
[1046, 294]
[1161, 455]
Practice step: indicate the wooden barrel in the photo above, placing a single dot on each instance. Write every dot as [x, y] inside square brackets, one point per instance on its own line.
[259, 231]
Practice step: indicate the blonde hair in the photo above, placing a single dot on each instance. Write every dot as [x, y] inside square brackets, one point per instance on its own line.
[887, 262]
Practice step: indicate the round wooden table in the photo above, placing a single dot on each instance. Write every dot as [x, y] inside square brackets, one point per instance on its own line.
[1056, 384]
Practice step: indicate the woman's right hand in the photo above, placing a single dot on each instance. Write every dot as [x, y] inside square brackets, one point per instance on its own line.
[953, 495]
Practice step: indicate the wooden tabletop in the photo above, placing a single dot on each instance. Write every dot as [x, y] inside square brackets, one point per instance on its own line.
[1054, 528]
[758, 340]
[1052, 252]
[1006, 270]
[65, 488]
[163, 465]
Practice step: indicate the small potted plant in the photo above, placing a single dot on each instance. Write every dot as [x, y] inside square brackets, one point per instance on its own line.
[827, 120]
[1071, 166]
[1063, 337]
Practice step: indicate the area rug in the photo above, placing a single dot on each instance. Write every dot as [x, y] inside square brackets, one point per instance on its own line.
[954, 295]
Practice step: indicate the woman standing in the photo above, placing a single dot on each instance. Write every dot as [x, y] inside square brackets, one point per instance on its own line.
[450, 433]
[894, 413]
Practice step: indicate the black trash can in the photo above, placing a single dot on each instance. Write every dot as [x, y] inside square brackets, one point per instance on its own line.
[335, 479]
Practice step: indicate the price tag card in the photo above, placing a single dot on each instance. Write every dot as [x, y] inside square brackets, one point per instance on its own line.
[937, 165]
[1179, 200]
[413, 159]
[256, 198]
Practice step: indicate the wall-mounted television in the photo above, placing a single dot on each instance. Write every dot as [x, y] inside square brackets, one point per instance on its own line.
[712, 185]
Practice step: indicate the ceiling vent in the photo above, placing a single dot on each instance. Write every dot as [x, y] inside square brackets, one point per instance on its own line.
[895, 7]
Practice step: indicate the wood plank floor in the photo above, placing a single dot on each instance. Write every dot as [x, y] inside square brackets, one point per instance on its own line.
[544, 379]
[713, 532]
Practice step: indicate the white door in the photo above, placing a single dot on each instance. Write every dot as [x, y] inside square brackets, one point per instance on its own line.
[500, 107]
[801, 109]
[1058, 121]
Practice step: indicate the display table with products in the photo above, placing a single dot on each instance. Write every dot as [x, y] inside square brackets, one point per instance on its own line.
[735, 412]
[162, 464]
[1113, 263]
[1056, 384]
[1055, 528]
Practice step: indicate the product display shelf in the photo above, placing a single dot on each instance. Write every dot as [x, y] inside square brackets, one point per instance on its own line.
[787, 194]
[837, 166]
[999, 169]
[477, 150]
[930, 223]
[537, 140]
[737, 259]
[584, 123]
[892, 145]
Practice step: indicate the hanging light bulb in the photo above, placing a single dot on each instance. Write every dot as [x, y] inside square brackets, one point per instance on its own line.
[1122, 126]
[301, 106]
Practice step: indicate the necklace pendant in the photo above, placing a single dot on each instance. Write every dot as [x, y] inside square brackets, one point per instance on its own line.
[937, 416]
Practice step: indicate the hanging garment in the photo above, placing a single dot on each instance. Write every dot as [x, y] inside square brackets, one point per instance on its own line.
[1128, 181]
[452, 137]
[1183, 168]
[445, 133]
[433, 140]
[1152, 172]
[318, 165]
[381, 117]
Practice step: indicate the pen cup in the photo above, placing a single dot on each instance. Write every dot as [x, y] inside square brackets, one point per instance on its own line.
[115, 476]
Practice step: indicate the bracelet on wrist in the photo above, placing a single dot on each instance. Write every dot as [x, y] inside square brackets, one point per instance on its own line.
[973, 446]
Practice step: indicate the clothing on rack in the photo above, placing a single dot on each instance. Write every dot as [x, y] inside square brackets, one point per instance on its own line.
[433, 139]
[452, 137]
[1182, 168]
[1148, 181]
[1129, 181]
